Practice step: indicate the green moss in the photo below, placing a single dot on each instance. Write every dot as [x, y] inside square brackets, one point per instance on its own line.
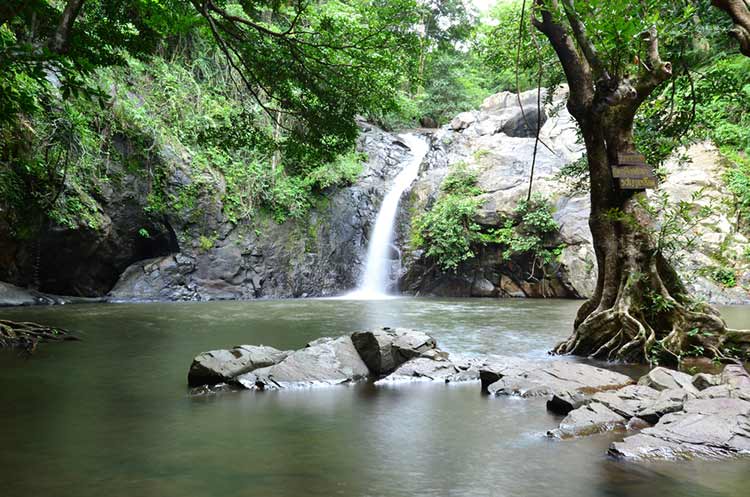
[206, 243]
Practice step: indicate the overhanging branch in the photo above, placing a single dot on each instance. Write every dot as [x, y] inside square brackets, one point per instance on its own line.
[739, 11]
[577, 70]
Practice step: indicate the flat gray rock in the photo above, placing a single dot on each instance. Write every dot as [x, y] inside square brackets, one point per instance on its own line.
[439, 367]
[629, 401]
[533, 379]
[667, 379]
[705, 428]
[324, 362]
[218, 366]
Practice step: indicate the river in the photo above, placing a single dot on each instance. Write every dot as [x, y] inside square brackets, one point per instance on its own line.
[111, 415]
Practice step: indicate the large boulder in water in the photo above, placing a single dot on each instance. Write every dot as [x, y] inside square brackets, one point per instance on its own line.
[385, 350]
[218, 366]
[323, 362]
[588, 420]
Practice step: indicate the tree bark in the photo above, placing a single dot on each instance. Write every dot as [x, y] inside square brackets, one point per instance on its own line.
[640, 307]
[739, 11]
[61, 38]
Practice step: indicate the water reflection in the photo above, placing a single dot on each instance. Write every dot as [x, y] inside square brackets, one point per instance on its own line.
[110, 415]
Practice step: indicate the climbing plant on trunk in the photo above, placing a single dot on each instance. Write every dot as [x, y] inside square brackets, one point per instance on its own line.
[610, 54]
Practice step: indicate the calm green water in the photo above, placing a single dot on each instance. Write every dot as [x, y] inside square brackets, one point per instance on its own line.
[110, 416]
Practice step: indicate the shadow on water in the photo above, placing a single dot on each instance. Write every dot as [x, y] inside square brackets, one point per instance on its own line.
[111, 416]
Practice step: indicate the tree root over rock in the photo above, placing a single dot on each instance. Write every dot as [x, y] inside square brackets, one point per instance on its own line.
[26, 336]
[641, 311]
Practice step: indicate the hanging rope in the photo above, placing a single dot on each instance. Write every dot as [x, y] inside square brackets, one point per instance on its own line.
[537, 140]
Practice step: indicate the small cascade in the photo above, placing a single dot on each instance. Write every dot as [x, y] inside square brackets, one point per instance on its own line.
[375, 281]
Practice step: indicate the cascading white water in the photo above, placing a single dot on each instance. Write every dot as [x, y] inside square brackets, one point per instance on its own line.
[377, 269]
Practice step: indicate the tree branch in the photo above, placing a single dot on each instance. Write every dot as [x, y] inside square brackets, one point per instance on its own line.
[657, 72]
[588, 48]
[739, 11]
[61, 38]
[577, 70]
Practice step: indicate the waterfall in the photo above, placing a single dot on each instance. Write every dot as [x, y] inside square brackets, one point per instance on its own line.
[375, 281]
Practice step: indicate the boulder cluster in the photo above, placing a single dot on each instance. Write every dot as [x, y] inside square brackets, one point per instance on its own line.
[666, 414]
[679, 416]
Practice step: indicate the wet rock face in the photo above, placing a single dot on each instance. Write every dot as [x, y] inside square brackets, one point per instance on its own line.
[320, 255]
[81, 261]
[496, 142]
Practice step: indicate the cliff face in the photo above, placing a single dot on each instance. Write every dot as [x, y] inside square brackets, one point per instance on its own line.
[198, 254]
[496, 143]
[322, 254]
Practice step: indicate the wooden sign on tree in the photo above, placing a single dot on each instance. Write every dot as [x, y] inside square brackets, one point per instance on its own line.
[632, 172]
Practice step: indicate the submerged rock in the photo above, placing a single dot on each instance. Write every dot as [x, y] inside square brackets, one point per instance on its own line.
[218, 366]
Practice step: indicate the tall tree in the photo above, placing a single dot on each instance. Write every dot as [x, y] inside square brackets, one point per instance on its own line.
[611, 55]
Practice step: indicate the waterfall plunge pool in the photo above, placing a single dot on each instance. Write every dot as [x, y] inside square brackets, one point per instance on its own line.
[110, 415]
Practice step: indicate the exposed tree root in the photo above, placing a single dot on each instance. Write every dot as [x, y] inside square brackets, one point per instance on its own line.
[26, 336]
[641, 313]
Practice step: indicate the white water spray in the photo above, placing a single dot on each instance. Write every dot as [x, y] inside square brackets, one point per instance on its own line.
[374, 283]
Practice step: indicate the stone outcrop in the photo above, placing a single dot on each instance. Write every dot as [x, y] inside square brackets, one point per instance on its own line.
[11, 295]
[198, 253]
[323, 362]
[495, 143]
[320, 255]
[680, 417]
[385, 350]
[675, 415]
[86, 259]
[388, 356]
[548, 379]
[219, 366]
[705, 428]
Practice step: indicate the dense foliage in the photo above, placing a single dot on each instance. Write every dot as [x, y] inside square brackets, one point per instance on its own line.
[450, 235]
[261, 95]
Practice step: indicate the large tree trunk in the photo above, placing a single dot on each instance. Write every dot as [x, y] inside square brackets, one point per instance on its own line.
[640, 311]
[61, 38]
[640, 308]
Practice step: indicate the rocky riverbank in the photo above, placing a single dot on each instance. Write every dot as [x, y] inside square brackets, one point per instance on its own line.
[665, 415]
